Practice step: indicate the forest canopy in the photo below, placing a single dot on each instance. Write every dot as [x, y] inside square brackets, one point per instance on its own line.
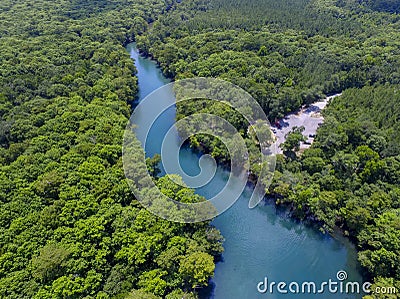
[287, 54]
[69, 225]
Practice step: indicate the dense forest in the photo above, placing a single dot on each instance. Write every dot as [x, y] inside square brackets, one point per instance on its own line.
[69, 225]
[290, 53]
[350, 177]
[293, 61]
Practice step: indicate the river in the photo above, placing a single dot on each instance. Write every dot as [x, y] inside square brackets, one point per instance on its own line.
[260, 242]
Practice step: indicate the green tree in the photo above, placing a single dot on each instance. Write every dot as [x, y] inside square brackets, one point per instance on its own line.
[292, 142]
[49, 264]
[197, 268]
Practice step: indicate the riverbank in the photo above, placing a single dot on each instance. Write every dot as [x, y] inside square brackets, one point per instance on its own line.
[260, 241]
[309, 116]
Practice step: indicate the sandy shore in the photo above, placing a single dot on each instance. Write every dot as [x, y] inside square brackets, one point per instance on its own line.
[310, 117]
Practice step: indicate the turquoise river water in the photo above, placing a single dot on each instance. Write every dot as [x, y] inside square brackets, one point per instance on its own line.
[260, 242]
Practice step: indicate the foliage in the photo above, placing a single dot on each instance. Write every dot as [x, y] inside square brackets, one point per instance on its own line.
[70, 226]
[198, 267]
[350, 178]
[284, 53]
[290, 53]
[293, 140]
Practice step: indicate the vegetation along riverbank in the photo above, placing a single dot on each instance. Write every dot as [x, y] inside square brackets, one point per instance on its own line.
[290, 54]
[69, 225]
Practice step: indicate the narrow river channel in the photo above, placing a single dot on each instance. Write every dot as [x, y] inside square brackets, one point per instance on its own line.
[260, 242]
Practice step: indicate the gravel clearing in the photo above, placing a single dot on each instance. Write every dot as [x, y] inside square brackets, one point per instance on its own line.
[310, 117]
